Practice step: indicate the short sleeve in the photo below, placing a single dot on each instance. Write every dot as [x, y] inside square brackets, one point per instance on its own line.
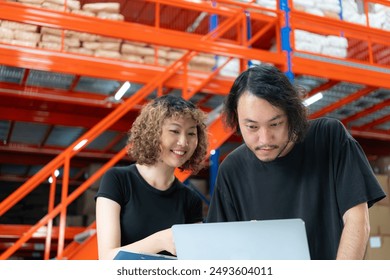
[111, 187]
[355, 180]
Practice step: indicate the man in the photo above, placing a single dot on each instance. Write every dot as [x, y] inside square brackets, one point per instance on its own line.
[289, 167]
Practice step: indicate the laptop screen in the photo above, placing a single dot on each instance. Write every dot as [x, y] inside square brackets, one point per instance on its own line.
[282, 239]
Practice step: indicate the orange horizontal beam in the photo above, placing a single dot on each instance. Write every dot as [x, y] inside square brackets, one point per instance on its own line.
[56, 95]
[246, 5]
[105, 68]
[45, 60]
[201, 6]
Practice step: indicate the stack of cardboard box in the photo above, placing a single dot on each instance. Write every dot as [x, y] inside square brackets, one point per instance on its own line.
[379, 243]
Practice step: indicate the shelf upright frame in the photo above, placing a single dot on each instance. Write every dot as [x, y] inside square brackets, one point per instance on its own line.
[285, 36]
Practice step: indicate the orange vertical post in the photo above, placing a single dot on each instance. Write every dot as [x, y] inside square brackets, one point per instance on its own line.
[50, 222]
[64, 195]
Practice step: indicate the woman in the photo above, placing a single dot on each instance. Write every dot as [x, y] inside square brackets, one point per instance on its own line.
[136, 205]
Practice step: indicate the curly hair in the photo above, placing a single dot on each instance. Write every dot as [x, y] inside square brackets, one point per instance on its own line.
[269, 83]
[145, 134]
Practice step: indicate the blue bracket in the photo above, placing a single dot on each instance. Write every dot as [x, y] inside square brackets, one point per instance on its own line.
[214, 165]
[191, 186]
[248, 31]
[285, 34]
[341, 9]
[213, 23]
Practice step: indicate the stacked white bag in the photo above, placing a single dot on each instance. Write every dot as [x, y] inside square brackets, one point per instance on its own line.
[102, 46]
[328, 8]
[335, 46]
[329, 45]
[378, 15]
[16, 33]
[386, 24]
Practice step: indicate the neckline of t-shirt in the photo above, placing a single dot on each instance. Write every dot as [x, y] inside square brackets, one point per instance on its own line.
[150, 187]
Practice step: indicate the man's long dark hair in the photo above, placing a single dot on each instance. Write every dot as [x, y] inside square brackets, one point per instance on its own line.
[269, 83]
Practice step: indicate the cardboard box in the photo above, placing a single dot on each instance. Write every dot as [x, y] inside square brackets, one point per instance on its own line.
[378, 248]
[384, 181]
[379, 219]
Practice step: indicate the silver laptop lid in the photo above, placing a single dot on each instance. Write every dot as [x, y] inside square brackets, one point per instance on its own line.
[283, 239]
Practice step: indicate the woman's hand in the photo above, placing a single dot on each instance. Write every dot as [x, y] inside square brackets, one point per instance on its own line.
[164, 239]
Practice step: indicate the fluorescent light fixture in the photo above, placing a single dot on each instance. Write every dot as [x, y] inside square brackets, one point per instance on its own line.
[80, 144]
[119, 94]
[313, 99]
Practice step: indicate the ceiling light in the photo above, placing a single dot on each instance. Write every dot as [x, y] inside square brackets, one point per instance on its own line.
[119, 94]
[312, 99]
[80, 144]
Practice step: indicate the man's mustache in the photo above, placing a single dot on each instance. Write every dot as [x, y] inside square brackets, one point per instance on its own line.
[266, 147]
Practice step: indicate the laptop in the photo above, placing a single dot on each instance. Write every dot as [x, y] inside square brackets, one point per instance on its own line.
[126, 255]
[282, 239]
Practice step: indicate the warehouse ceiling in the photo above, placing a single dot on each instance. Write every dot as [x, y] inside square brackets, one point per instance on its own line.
[44, 112]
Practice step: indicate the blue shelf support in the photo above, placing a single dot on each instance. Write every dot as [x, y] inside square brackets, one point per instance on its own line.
[341, 9]
[285, 34]
[213, 23]
[248, 31]
[214, 165]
